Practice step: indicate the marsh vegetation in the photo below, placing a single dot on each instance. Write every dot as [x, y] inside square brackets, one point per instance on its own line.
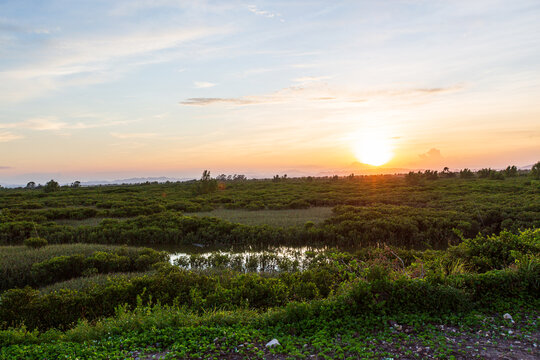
[295, 259]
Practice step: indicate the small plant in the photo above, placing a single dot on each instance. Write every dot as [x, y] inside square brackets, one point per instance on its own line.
[35, 242]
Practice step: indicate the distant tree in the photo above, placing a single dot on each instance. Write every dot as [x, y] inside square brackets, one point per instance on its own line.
[76, 184]
[431, 175]
[275, 178]
[535, 171]
[206, 185]
[447, 173]
[221, 177]
[413, 178]
[31, 185]
[511, 171]
[484, 173]
[466, 174]
[51, 186]
[496, 175]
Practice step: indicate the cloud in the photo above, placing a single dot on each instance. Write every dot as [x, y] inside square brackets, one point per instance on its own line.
[203, 84]
[134, 135]
[432, 155]
[311, 91]
[51, 123]
[5, 167]
[268, 14]
[9, 26]
[87, 60]
[44, 124]
[6, 136]
[306, 79]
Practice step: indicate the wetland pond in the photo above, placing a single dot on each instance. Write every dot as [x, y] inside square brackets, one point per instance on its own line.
[248, 259]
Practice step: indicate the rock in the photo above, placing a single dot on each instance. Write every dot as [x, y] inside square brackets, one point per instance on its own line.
[272, 343]
[507, 316]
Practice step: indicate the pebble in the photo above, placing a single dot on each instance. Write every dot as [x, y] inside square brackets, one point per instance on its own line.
[272, 343]
[507, 316]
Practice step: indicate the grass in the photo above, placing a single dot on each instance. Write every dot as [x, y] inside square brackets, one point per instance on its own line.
[172, 332]
[16, 261]
[82, 283]
[278, 218]
[95, 221]
[84, 222]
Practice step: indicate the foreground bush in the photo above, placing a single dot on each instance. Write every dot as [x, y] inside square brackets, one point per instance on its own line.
[484, 253]
[199, 291]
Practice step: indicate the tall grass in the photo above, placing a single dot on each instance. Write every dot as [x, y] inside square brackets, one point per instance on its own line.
[16, 261]
[277, 218]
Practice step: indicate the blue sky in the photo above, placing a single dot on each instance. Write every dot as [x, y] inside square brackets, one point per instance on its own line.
[109, 89]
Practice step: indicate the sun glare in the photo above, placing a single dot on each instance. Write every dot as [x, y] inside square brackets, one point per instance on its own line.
[373, 149]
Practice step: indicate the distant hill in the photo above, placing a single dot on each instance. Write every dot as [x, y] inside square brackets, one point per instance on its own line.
[137, 180]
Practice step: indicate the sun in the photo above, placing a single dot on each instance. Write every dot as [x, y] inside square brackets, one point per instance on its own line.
[373, 148]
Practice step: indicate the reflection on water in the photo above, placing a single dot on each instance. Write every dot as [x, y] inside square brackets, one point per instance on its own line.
[245, 258]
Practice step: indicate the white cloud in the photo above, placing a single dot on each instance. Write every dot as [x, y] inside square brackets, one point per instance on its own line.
[6, 136]
[134, 135]
[203, 84]
[51, 123]
[306, 79]
[314, 92]
[93, 59]
[268, 14]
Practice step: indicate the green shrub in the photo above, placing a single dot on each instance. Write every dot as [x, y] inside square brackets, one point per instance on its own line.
[484, 253]
[35, 242]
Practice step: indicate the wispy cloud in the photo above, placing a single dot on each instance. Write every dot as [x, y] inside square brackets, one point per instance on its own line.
[134, 135]
[10, 26]
[52, 123]
[306, 79]
[84, 60]
[6, 136]
[268, 14]
[203, 84]
[311, 92]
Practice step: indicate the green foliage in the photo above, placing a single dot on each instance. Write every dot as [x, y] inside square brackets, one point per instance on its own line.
[206, 184]
[20, 267]
[117, 298]
[484, 253]
[466, 174]
[35, 242]
[199, 291]
[488, 173]
[51, 186]
[535, 171]
[511, 171]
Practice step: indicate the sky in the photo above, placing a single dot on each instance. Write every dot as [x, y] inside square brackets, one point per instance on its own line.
[113, 89]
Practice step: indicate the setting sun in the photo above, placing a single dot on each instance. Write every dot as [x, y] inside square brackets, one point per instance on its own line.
[373, 149]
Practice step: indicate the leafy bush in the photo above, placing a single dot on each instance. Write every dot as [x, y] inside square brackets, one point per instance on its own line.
[35, 242]
[484, 253]
[55, 263]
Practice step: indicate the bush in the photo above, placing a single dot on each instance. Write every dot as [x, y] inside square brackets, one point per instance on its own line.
[35, 242]
[484, 253]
